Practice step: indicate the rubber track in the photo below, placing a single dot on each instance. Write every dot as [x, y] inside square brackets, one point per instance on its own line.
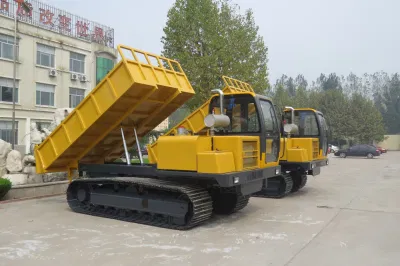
[303, 181]
[199, 197]
[264, 194]
[241, 202]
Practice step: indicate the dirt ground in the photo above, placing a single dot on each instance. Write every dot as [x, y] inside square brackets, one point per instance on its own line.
[349, 215]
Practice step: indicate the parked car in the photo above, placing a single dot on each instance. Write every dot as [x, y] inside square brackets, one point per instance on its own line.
[361, 150]
[333, 148]
[382, 150]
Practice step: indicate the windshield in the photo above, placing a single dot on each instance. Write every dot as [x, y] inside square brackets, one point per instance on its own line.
[242, 112]
[305, 120]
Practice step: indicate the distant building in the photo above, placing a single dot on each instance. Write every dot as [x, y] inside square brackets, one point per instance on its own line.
[60, 58]
[162, 126]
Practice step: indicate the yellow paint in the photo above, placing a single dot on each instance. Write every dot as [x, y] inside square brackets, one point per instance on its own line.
[300, 150]
[180, 152]
[132, 89]
[215, 162]
[218, 154]
[245, 150]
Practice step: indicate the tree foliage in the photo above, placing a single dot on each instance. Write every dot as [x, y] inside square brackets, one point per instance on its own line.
[388, 103]
[210, 39]
[356, 108]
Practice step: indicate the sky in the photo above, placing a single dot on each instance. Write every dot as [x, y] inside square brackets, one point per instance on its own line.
[306, 37]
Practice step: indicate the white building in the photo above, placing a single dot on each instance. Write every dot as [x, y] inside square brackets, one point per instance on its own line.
[163, 125]
[60, 58]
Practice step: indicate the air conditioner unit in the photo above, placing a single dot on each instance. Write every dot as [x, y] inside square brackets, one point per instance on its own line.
[82, 78]
[74, 76]
[52, 72]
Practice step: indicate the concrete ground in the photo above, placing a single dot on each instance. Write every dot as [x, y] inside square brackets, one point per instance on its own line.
[349, 215]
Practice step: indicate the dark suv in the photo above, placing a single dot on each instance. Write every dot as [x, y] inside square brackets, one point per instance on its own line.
[362, 150]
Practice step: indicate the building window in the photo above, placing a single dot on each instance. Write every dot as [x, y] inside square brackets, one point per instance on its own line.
[45, 55]
[7, 47]
[103, 66]
[6, 131]
[45, 94]
[6, 88]
[75, 97]
[77, 63]
[41, 125]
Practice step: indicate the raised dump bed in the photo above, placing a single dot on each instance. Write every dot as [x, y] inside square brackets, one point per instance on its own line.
[194, 122]
[140, 92]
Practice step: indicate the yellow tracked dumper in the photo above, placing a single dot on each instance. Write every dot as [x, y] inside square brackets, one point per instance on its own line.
[302, 146]
[304, 150]
[213, 165]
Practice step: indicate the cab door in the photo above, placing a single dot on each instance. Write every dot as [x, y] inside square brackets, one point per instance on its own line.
[270, 132]
[323, 134]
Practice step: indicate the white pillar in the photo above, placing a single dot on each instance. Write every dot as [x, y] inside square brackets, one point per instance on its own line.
[28, 135]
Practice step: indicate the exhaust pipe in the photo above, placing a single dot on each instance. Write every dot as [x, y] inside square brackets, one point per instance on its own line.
[221, 99]
[292, 116]
[212, 120]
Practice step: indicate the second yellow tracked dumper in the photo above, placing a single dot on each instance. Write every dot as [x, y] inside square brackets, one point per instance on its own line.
[304, 150]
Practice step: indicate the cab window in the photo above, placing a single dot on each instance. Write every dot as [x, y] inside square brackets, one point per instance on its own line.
[242, 112]
[306, 121]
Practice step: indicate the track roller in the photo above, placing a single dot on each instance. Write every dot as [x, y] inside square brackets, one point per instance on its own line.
[141, 200]
[228, 203]
[277, 187]
[299, 181]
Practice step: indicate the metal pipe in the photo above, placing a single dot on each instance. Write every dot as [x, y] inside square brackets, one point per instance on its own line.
[14, 78]
[221, 99]
[128, 161]
[138, 146]
[291, 108]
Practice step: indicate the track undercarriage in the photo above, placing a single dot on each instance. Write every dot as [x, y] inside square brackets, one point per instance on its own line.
[282, 185]
[151, 201]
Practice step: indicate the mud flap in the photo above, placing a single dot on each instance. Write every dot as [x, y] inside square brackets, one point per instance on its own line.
[314, 172]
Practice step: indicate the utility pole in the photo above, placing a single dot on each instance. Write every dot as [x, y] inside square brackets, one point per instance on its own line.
[26, 9]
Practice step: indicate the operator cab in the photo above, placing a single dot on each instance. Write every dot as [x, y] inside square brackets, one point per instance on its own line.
[242, 114]
[249, 115]
[310, 123]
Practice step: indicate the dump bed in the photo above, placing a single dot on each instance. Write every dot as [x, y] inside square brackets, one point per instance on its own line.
[140, 92]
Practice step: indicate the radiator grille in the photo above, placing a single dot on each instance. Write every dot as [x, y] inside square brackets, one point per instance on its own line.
[315, 148]
[250, 154]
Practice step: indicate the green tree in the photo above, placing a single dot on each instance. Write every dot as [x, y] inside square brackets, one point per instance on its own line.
[387, 101]
[336, 109]
[301, 100]
[281, 97]
[301, 81]
[331, 82]
[368, 122]
[210, 39]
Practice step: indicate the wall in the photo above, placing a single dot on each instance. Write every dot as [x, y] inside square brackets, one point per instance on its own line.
[391, 143]
[29, 73]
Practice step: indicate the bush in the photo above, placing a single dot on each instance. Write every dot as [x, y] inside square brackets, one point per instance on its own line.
[5, 186]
